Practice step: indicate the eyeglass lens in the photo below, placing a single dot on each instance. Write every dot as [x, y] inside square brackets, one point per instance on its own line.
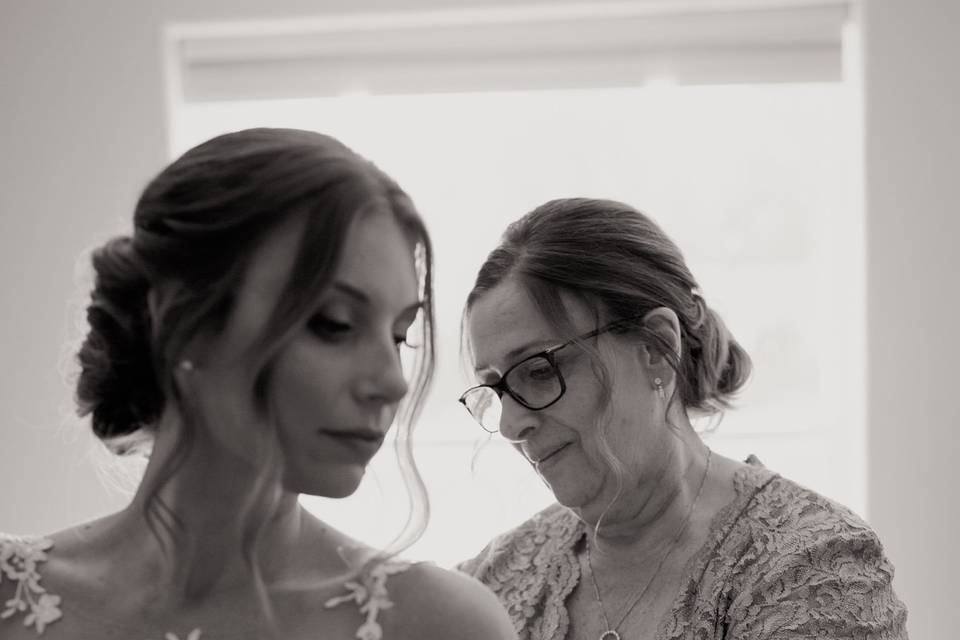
[534, 383]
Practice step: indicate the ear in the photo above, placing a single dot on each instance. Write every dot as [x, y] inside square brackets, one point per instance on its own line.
[194, 350]
[662, 321]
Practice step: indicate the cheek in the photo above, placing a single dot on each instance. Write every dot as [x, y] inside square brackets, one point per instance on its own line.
[582, 406]
[622, 420]
[304, 386]
[637, 433]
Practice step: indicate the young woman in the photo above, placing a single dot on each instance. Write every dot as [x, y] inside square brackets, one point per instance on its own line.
[250, 330]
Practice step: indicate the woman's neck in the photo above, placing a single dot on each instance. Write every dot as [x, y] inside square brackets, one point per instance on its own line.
[200, 523]
[652, 513]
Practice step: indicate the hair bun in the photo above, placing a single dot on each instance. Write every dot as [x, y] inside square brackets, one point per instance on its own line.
[721, 366]
[117, 384]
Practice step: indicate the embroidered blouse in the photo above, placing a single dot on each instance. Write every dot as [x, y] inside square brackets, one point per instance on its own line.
[780, 562]
[21, 557]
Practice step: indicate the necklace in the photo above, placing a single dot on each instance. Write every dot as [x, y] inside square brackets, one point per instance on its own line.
[611, 632]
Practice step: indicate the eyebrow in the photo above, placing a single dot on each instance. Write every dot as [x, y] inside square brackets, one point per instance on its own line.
[351, 291]
[512, 356]
[361, 297]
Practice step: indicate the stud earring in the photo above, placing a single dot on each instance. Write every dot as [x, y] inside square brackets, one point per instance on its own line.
[186, 365]
[658, 384]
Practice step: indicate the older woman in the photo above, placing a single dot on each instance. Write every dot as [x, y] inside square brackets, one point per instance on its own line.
[594, 348]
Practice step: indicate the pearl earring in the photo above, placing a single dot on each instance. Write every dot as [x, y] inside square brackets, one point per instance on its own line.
[186, 365]
[658, 384]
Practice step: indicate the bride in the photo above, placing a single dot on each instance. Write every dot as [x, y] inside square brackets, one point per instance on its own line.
[249, 329]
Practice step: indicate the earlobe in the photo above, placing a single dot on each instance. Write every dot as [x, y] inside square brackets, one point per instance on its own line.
[658, 385]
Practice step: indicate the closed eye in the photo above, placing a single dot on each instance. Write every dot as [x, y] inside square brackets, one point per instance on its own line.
[328, 328]
[541, 373]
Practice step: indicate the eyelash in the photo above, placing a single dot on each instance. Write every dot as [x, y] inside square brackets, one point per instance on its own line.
[328, 328]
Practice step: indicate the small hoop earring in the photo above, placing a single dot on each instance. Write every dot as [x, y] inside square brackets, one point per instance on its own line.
[658, 384]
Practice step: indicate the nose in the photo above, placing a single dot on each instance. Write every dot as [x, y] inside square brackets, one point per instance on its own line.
[383, 381]
[517, 423]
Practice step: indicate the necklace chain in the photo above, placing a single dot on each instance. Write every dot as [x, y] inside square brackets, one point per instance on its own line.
[611, 630]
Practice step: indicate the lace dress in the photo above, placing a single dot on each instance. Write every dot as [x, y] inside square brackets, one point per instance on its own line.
[781, 562]
[22, 557]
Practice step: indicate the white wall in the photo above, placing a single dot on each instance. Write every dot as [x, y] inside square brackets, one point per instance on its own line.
[82, 128]
[913, 97]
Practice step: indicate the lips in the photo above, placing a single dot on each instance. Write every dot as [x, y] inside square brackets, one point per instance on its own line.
[356, 444]
[368, 435]
[543, 455]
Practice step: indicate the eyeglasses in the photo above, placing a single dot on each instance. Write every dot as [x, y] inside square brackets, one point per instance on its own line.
[535, 382]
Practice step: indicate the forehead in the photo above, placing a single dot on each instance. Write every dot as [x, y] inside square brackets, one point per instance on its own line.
[378, 258]
[505, 324]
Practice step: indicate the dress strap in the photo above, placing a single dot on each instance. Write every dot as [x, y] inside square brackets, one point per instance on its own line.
[368, 590]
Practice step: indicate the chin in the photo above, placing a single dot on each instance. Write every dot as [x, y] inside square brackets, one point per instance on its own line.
[332, 483]
[577, 493]
[568, 493]
[592, 508]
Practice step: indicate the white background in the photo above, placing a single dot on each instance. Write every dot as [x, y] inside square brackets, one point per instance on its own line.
[752, 181]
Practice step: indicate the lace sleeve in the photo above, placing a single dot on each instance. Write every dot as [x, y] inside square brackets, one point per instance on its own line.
[837, 587]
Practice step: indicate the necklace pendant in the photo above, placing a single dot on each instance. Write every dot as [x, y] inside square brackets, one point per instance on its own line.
[609, 634]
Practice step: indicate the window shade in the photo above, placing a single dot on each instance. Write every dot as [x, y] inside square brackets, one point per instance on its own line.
[504, 48]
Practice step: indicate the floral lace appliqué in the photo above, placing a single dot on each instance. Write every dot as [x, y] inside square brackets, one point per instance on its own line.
[19, 558]
[369, 592]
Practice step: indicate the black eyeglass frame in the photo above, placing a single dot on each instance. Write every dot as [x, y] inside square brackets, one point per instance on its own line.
[500, 386]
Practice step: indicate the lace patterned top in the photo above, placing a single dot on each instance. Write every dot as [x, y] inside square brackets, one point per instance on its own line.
[21, 557]
[781, 562]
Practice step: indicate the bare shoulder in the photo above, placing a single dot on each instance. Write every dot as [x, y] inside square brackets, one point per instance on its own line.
[37, 572]
[68, 554]
[432, 602]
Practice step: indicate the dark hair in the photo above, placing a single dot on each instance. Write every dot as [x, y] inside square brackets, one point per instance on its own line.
[617, 260]
[195, 227]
